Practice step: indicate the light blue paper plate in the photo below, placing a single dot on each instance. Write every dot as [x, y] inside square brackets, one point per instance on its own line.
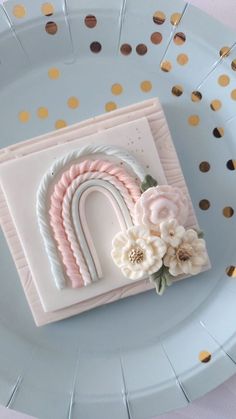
[141, 356]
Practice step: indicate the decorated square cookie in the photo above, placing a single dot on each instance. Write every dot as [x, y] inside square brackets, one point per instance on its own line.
[104, 213]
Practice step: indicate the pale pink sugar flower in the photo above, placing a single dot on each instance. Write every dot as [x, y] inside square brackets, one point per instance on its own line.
[161, 203]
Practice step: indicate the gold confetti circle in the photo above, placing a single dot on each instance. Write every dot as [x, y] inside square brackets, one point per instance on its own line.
[73, 102]
[47, 9]
[182, 59]
[179, 38]
[233, 94]
[215, 105]
[224, 80]
[231, 164]
[159, 18]
[141, 49]
[224, 52]
[228, 212]
[116, 89]
[19, 11]
[177, 90]
[204, 356]
[42, 112]
[156, 38]
[175, 18]
[166, 66]
[194, 120]
[95, 47]
[90, 21]
[51, 28]
[146, 86]
[233, 65]
[204, 166]
[60, 123]
[53, 73]
[204, 204]
[196, 96]
[110, 106]
[218, 132]
[24, 116]
[231, 271]
[126, 49]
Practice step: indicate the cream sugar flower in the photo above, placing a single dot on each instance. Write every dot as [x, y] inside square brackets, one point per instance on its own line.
[172, 232]
[188, 257]
[137, 252]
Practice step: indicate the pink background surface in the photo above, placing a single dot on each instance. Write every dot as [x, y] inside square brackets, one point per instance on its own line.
[220, 403]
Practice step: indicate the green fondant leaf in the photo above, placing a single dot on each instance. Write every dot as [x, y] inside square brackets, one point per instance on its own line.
[148, 182]
[200, 233]
[161, 279]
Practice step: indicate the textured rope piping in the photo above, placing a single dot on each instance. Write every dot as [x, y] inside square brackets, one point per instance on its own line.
[42, 195]
[60, 211]
[113, 193]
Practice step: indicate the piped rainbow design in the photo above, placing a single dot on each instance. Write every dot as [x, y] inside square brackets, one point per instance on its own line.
[66, 241]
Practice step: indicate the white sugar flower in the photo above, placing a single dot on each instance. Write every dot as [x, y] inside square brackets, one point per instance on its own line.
[137, 252]
[189, 257]
[172, 232]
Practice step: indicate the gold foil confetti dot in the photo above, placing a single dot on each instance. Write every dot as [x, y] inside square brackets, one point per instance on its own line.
[231, 271]
[166, 66]
[215, 105]
[218, 132]
[233, 94]
[159, 18]
[231, 164]
[47, 9]
[73, 102]
[175, 18]
[53, 73]
[116, 89]
[179, 38]
[228, 212]
[141, 49]
[224, 80]
[224, 51]
[51, 28]
[204, 204]
[95, 47]
[146, 86]
[42, 112]
[196, 96]
[204, 357]
[233, 65]
[60, 123]
[156, 38]
[90, 21]
[24, 116]
[204, 166]
[177, 90]
[194, 120]
[126, 49]
[110, 106]
[19, 11]
[182, 59]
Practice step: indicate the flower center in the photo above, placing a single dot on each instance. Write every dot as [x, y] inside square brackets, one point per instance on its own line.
[171, 233]
[136, 255]
[184, 252]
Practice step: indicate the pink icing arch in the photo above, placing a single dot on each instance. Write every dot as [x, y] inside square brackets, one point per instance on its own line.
[88, 169]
